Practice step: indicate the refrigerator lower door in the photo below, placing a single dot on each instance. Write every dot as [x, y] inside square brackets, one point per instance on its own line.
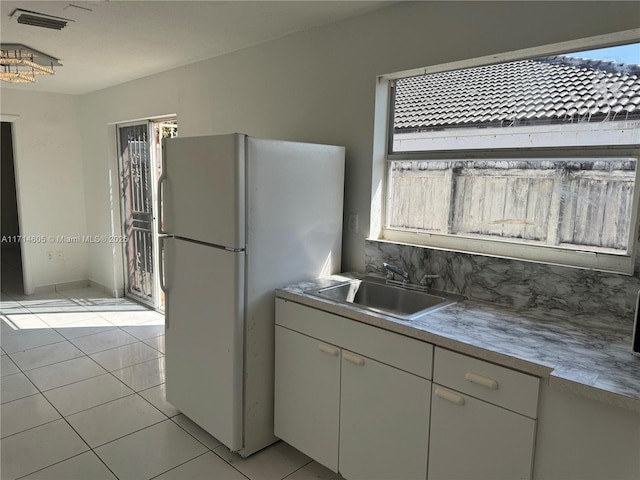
[204, 336]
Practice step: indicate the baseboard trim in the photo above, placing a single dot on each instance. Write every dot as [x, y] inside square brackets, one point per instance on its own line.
[117, 293]
[61, 287]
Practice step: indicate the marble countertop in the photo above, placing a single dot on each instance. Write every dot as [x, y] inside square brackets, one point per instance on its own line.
[589, 358]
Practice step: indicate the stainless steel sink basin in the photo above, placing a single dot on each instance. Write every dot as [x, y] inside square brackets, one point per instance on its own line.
[397, 301]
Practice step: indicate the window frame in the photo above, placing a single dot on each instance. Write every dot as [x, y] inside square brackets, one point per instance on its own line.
[503, 248]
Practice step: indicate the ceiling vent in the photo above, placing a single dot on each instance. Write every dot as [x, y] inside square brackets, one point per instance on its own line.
[35, 19]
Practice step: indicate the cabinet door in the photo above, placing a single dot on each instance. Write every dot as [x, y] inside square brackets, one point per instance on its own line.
[384, 422]
[307, 395]
[475, 440]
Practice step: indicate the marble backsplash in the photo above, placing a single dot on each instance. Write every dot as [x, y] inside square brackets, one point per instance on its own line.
[546, 289]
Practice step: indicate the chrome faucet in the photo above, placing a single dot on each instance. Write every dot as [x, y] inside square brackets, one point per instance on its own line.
[392, 269]
[427, 279]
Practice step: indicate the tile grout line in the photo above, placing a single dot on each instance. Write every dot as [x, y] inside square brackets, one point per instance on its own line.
[212, 450]
[98, 405]
[24, 372]
[63, 417]
[21, 398]
[297, 469]
[65, 384]
[229, 463]
[167, 417]
[183, 463]
[122, 436]
[171, 419]
[111, 326]
[42, 391]
[28, 379]
[86, 443]
[56, 463]
[92, 449]
[134, 393]
[82, 351]
[39, 346]
[36, 426]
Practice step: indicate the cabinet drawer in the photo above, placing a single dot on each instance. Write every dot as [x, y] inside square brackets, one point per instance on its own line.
[402, 352]
[498, 385]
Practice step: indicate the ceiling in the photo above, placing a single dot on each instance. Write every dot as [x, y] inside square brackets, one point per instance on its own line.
[110, 42]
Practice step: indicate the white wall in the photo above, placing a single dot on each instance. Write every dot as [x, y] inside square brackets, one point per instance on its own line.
[49, 178]
[317, 86]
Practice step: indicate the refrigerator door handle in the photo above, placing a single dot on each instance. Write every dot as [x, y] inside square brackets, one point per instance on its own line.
[161, 179]
[163, 286]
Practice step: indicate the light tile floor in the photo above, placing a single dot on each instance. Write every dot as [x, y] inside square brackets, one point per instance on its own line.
[83, 397]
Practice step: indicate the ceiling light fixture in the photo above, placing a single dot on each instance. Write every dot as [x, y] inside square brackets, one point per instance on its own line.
[21, 64]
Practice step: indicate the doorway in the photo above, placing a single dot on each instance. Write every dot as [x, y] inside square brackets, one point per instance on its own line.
[11, 255]
[140, 158]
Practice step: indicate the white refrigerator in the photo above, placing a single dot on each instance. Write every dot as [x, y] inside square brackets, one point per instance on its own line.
[239, 217]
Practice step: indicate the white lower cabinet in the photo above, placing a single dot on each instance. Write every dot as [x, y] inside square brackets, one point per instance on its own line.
[341, 399]
[579, 438]
[384, 421]
[475, 440]
[307, 395]
[479, 430]
[359, 400]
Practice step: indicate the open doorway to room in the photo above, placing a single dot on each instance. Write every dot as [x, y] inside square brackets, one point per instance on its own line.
[10, 255]
[140, 160]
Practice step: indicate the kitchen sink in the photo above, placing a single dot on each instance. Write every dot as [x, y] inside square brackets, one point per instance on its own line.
[374, 294]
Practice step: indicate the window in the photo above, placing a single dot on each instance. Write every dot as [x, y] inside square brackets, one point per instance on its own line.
[534, 158]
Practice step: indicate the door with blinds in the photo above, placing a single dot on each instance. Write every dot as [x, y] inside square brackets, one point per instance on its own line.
[139, 150]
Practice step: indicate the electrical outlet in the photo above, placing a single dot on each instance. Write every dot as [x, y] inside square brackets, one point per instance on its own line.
[353, 222]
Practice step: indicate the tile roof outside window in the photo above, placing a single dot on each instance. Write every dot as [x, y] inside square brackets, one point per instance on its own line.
[546, 90]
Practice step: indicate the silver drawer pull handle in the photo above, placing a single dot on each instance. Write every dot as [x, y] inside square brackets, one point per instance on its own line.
[480, 380]
[350, 357]
[450, 396]
[330, 350]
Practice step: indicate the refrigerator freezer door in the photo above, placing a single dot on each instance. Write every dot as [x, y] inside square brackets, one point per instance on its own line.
[204, 336]
[203, 189]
